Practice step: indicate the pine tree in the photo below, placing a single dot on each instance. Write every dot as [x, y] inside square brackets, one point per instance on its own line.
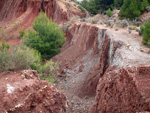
[144, 5]
[138, 4]
[47, 39]
[133, 10]
[118, 3]
[84, 4]
[124, 9]
[130, 9]
[97, 6]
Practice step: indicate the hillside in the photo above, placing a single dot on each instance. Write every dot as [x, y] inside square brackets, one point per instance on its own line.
[103, 65]
[19, 15]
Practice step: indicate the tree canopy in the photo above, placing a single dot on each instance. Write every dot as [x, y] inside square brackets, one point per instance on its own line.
[128, 8]
[46, 37]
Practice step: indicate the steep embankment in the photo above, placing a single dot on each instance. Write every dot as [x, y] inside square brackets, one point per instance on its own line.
[19, 15]
[26, 10]
[106, 64]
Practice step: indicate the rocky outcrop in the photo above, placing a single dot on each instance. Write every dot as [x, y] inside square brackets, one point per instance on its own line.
[23, 92]
[24, 11]
[123, 90]
[101, 61]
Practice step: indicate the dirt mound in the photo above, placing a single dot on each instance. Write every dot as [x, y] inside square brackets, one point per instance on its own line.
[23, 92]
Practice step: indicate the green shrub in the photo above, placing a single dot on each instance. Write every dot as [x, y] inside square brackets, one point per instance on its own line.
[50, 79]
[144, 42]
[95, 21]
[3, 35]
[99, 6]
[81, 8]
[142, 28]
[146, 33]
[134, 27]
[4, 46]
[47, 37]
[22, 57]
[144, 4]
[109, 12]
[15, 25]
[19, 58]
[49, 70]
[130, 9]
[21, 33]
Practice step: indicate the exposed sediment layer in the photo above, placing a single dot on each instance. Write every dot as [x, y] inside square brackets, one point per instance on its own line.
[103, 62]
[24, 11]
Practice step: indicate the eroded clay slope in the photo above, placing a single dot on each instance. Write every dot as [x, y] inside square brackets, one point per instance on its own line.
[93, 59]
[123, 90]
[22, 13]
[23, 92]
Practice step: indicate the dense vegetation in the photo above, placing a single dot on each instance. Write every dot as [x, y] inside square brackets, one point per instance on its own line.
[98, 6]
[19, 58]
[133, 8]
[146, 33]
[46, 37]
[128, 8]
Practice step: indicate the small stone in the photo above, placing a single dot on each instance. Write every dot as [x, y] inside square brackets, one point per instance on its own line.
[129, 31]
[116, 29]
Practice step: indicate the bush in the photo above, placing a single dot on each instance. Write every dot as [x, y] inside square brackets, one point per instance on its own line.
[49, 70]
[146, 33]
[130, 9]
[142, 29]
[134, 27]
[95, 21]
[4, 46]
[144, 42]
[5, 36]
[81, 8]
[144, 4]
[21, 33]
[19, 58]
[22, 57]
[47, 37]
[109, 12]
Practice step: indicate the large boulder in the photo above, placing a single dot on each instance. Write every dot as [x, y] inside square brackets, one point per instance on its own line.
[24, 92]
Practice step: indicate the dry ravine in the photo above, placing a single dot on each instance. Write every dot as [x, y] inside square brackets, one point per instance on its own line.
[102, 70]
